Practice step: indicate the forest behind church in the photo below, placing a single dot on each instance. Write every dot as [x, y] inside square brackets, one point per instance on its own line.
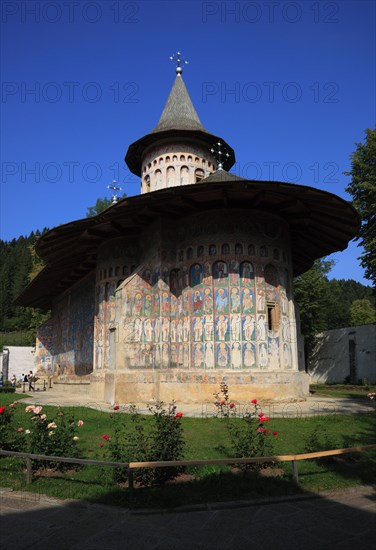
[323, 303]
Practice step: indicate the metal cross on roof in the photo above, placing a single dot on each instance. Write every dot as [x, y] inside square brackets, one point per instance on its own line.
[114, 190]
[220, 154]
[178, 59]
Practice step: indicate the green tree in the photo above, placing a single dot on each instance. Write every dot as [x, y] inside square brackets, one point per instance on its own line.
[362, 312]
[100, 206]
[363, 190]
[311, 290]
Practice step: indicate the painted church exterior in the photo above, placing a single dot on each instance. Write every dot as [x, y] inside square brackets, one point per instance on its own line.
[168, 293]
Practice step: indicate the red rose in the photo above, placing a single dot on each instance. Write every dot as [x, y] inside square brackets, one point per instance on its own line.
[179, 415]
[275, 433]
[106, 437]
[101, 444]
[267, 431]
[2, 409]
[254, 401]
[232, 405]
[260, 430]
[116, 407]
[222, 402]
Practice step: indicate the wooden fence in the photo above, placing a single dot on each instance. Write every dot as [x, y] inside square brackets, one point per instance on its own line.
[130, 466]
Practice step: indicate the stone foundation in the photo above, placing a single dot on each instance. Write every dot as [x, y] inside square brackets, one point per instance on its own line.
[196, 388]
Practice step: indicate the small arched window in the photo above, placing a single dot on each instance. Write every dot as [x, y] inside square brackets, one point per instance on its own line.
[238, 249]
[125, 270]
[182, 158]
[251, 250]
[276, 254]
[225, 249]
[212, 250]
[199, 174]
[200, 251]
[263, 251]
[189, 253]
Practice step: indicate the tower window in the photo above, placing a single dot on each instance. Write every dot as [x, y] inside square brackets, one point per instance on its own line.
[199, 175]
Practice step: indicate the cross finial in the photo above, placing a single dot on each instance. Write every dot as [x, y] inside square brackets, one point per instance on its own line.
[220, 154]
[178, 59]
[114, 188]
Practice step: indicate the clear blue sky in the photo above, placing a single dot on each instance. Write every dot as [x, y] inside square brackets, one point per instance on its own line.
[290, 85]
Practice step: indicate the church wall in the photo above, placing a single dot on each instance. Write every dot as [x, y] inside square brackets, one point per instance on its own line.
[206, 305]
[208, 299]
[64, 345]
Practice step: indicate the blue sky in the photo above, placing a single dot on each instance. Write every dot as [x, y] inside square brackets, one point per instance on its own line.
[289, 85]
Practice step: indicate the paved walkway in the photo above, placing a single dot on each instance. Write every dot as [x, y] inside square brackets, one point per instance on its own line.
[312, 406]
[340, 519]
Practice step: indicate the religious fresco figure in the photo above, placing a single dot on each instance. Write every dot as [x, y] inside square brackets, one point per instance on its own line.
[236, 355]
[165, 329]
[165, 355]
[246, 274]
[220, 273]
[197, 302]
[173, 331]
[287, 360]
[249, 356]
[261, 327]
[234, 272]
[179, 306]
[235, 300]
[198, 355]
[196, 274]
[284, 303]
[248, 323]
[221, 327]
[207, 273]
[263, 356]
[179, 330]
[209, 355]
[223, 352]
[273, 353]
[208, 327]
[235, 326]
[212, 250]
[197, 328]
[166, 304]
[173, 305]
[138, 329]
[157, 330]
[185, 276]
[137, 304]
[208, 300]
[156, 304]
[221, 300]
[186, 302]
[247, 301]
[186, 356]
[148, 305]
[148, 330]
[186, 329]
[261, 301]
[174, 355]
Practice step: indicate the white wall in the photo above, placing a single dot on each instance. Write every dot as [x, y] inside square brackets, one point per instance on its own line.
[21, 360]
[331, 358]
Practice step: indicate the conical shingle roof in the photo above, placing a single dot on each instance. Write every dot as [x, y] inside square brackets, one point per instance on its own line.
[179, 113]
[179, 120]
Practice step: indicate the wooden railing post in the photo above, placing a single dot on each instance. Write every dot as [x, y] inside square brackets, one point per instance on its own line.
[130, 481]
[29, 470]
[295, 473]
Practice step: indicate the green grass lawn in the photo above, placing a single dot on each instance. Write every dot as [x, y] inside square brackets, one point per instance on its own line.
[205, 439]
[342, 390]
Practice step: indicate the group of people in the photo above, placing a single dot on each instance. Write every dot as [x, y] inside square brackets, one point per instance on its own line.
[24, 379]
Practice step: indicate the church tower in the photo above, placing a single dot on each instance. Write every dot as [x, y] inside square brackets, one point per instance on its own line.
[178, 150]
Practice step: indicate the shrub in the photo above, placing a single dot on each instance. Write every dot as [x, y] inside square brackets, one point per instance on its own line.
[52, 436]
[140, 439]
[249, 436]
